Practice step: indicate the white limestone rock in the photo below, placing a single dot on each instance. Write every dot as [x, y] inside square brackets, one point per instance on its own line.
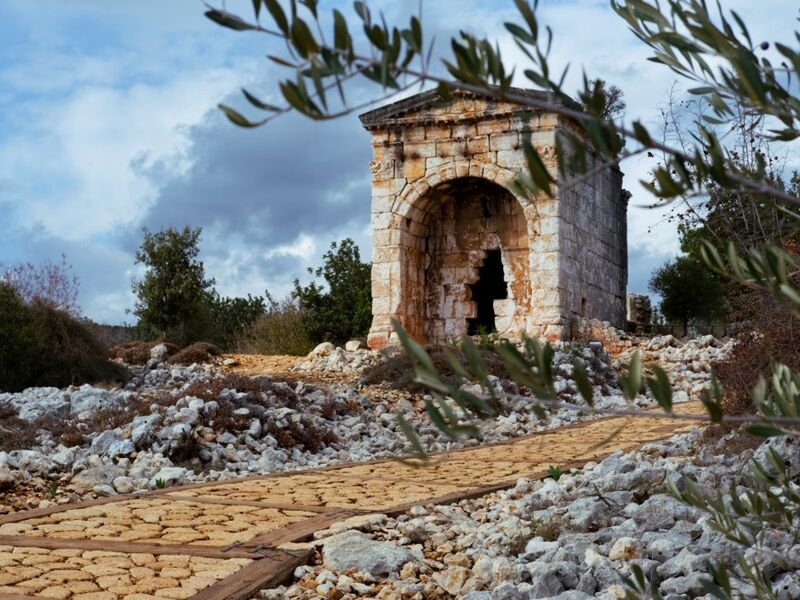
[354, 550]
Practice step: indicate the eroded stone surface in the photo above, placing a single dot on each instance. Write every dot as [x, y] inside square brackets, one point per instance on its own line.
[99, 575]
[325, 489]
[159, 521]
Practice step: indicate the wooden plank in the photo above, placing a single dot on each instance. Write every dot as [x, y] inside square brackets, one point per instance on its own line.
[260, 574]
[451, 498]
[127, 547]
[296, 532]
[56, 508]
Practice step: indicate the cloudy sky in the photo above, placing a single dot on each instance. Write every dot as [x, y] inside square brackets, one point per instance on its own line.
[108, 125]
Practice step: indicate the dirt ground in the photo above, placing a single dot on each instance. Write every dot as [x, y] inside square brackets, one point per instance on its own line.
[280, 367]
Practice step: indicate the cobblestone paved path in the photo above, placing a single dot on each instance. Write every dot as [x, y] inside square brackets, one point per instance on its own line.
[223, 539]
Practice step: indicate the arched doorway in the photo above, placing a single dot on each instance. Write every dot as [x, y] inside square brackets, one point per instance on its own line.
[467, 269]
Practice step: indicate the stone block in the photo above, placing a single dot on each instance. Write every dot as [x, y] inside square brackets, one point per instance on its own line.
[464, 130]
[490, 125]
[504, 308]
[381, 220]
[438, 131]
[419, 149]
[414, 168]
[511, 159]
[382, 204]
[414, 134]
[477, 145]
[388, 187]
[504, 141]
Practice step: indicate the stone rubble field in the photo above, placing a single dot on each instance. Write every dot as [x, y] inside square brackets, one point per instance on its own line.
[157, 432]
[566, 539]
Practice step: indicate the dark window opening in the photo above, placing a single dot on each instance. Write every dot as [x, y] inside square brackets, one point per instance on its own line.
[490, 287]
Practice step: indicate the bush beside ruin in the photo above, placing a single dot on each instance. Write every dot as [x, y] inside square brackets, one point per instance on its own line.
[199, 352]
[41, 345]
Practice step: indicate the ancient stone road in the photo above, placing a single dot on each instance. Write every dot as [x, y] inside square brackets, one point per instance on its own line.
[223, 540]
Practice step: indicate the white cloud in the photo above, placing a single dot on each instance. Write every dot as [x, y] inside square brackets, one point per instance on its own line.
[91, 141]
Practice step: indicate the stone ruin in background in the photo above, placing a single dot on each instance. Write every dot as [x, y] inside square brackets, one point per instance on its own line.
[456, 252]
[640, 314]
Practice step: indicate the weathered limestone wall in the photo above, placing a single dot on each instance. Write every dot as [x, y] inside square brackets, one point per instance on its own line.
[593, 244]
[614, 341]
[442, 177]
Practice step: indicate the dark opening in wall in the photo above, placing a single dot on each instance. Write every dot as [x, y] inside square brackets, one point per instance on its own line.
[490, 287]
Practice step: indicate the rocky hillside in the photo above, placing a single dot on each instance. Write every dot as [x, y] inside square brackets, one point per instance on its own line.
[174, 424]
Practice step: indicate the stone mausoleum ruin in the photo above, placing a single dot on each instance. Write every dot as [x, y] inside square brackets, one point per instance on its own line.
[456, 252]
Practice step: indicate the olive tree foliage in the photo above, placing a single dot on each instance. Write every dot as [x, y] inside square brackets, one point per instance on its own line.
[708, 49]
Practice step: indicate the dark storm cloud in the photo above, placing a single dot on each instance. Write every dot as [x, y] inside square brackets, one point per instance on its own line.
[265, 187]
[104, 273]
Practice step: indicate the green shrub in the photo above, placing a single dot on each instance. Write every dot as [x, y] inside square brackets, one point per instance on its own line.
[41, 345]
[16, 340]
[66, 352]
[278, 331]
[230, 317]
[343, 311]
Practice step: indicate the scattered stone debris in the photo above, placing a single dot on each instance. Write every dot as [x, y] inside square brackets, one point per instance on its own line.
[569, 539]
[351, 359]
[173, 424]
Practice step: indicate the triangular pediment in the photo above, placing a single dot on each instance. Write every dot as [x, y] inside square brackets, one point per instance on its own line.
[420, 106]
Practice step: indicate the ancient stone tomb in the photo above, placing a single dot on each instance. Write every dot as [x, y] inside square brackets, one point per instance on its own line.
[455, 251]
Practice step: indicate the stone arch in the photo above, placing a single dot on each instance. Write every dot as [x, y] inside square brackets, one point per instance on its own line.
[411, 193]
[446, 228]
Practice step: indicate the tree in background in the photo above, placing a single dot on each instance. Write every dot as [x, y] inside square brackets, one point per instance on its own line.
[173, 296]
[176, 302]
[343, 311]
[721, 214]
[230, 317]
[607, 99]
[689, 291]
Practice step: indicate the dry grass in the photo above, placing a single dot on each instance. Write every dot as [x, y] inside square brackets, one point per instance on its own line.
[138, 352]
[199, 352]
[260, 395]
[396, 372]
[774, 338]
[21, 434]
